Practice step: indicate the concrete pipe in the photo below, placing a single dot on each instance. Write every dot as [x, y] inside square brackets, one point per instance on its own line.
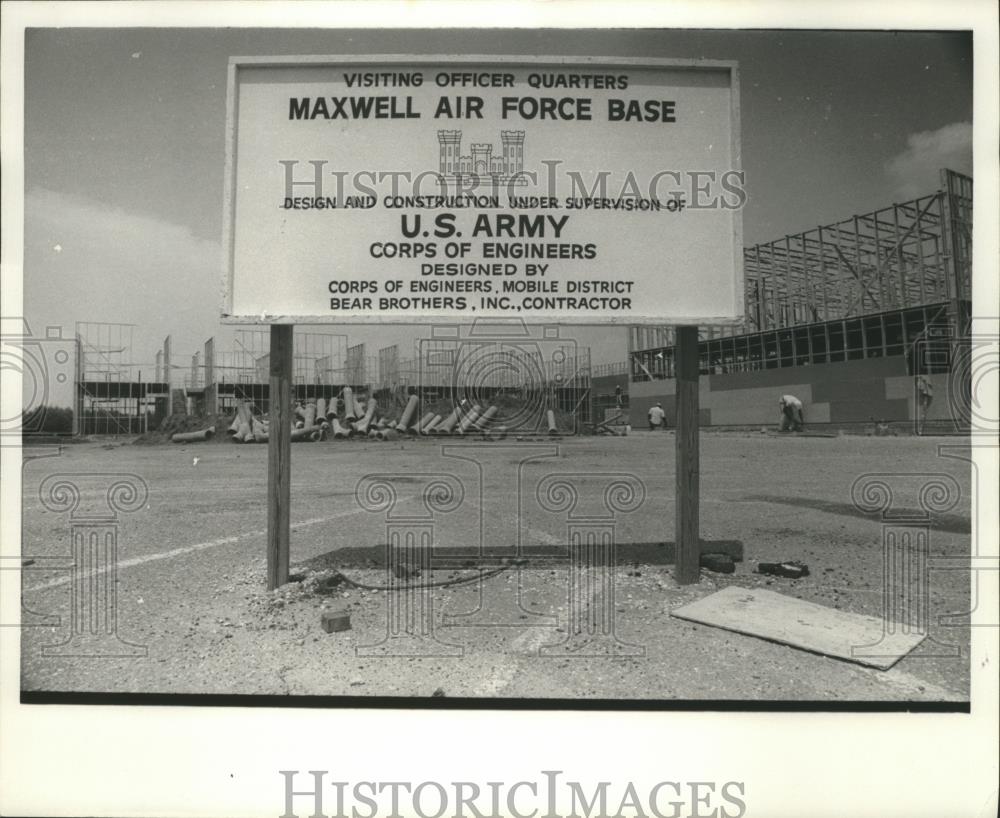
[299, 435]
[497, 433]
[320, 408]
[339, 432]
[428, 428]
[365, 423]
[551, 417]
[261, 431]
[382, 423]
[348, 396]
[193, 437]
[373, 433]
[446, 425]
[418, 427]
[359, 408]
[331, 409]
[387, 434]
[469, 419]
[483, 421]
[309, 416]
[244, 414]
[408, 413]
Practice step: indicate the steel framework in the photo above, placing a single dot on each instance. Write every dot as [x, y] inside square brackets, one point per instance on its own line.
[110, 397]
[909, 255]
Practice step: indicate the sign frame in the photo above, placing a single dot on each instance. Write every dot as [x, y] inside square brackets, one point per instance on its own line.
[361, 62]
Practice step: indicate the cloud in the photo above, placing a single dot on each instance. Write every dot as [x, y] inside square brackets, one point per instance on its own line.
[916, 170]
[87, 261]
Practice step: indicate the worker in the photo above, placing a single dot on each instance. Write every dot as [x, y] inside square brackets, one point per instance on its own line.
[791, 414]
[657, 417]
[925, 396]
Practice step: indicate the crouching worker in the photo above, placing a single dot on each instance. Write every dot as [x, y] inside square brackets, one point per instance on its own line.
[791, 414]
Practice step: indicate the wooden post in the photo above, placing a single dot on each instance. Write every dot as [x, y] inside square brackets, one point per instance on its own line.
[279, 455]
[687, 567]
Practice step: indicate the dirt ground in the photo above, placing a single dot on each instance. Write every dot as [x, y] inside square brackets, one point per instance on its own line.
[191, 568]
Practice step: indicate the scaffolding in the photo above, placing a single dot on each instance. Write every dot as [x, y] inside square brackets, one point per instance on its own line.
[865, 286]
[105, 351]
[243, 373]
[113, 395]
[116, 395]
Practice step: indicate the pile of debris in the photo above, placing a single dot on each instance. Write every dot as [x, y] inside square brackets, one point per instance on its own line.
[346, 416]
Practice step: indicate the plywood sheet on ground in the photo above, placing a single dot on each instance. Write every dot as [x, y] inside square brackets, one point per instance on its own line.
[805, 625]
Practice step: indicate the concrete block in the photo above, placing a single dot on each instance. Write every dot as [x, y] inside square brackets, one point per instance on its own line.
[336, 619]
[720, 563]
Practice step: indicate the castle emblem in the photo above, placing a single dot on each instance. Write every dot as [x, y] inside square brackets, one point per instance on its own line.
[505, 168]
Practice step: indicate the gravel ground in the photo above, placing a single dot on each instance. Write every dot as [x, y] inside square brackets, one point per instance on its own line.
[190, 580]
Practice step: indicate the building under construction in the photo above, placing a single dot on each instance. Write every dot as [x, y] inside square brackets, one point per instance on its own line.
[844, 316]
[525, 373]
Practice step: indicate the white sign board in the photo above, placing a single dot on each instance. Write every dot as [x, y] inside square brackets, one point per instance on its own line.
[574, 190]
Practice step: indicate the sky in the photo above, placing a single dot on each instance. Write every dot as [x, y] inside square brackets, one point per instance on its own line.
[124, 149]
